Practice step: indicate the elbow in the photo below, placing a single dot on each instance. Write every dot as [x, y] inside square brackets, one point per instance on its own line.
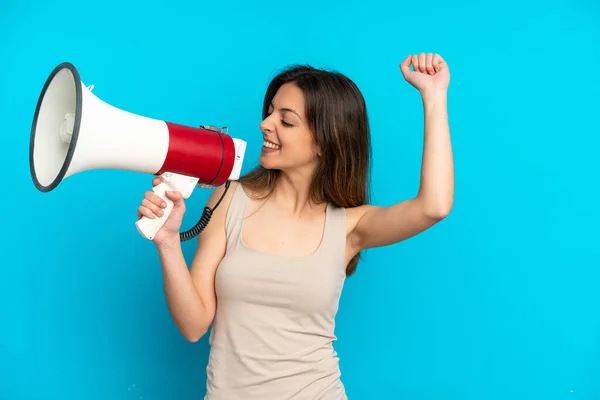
[194, 337]
[439, 211]
[196, 326]
[194, 332]
[438, 215]
[436, 205]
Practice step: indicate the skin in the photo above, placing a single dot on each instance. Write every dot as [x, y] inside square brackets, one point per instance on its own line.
[190, 293]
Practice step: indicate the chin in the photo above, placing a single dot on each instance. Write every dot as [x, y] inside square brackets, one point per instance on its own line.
[266, 164]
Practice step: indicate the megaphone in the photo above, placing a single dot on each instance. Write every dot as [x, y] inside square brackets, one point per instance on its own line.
[74, 131]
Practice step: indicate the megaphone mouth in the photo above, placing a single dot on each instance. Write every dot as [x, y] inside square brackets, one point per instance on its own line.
[50, 153]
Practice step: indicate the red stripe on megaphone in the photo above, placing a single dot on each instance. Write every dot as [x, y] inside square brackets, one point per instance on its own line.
[199, 152]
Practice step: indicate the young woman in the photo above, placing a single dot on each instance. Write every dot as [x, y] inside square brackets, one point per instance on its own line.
[271, 264]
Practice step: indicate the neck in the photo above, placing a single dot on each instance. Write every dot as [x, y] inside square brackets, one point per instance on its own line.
[292, 193]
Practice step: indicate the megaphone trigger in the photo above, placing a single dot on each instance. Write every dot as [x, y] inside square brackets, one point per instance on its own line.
[149, 227]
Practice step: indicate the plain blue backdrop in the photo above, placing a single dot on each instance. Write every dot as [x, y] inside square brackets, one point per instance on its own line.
[499, 301]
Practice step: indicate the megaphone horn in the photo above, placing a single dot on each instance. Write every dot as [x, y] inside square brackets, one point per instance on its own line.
[74, 131]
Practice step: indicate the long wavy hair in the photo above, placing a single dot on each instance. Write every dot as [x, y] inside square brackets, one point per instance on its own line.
[337, 116]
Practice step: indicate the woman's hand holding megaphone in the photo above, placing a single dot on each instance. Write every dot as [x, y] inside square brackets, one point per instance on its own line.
[152, 207]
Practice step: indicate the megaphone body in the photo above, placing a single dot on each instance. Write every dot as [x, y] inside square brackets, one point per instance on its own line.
[74, 131]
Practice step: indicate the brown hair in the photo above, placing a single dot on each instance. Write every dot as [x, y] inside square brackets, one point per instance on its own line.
[337, 117]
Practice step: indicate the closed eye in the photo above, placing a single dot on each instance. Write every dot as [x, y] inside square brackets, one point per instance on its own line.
[286, 124]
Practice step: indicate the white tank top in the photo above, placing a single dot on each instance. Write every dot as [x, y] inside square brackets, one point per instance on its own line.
[273, 333]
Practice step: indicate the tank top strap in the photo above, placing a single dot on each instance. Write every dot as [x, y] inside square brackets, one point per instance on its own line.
[334, 237]
[235, 216]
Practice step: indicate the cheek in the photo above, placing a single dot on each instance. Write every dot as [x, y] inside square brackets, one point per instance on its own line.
[301, 149]
[298, 145]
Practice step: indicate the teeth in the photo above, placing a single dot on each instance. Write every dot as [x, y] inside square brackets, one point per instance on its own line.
[271, 145]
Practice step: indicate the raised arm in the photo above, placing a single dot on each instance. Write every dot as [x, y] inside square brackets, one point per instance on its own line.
[376, 226]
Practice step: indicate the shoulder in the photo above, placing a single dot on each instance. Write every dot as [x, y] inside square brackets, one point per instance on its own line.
[221, 197]
[353, 216]
[219, 201]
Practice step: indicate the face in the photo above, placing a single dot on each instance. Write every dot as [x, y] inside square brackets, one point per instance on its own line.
[288, 142]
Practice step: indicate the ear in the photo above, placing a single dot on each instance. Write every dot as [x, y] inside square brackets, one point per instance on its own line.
[317, 149]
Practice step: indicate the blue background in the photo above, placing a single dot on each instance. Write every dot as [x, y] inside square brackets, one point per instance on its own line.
[499, 301]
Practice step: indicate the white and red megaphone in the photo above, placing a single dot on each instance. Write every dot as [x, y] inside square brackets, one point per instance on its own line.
[74, 131]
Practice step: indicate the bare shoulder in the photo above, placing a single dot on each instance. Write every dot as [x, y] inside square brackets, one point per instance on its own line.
[353, 216]
[218, 201]
[221, 198]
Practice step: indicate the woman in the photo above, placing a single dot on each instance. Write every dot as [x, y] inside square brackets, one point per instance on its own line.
[270, 266]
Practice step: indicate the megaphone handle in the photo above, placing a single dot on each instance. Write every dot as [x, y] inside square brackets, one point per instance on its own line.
[149, 227]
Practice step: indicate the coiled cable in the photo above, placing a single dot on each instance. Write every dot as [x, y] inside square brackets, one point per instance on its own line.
[207, 212]
[204, 219]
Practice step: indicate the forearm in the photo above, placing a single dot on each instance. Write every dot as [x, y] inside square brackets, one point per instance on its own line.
[183, 298]
[437, 169]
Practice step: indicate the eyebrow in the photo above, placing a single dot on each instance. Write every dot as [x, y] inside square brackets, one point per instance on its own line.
[288, 110]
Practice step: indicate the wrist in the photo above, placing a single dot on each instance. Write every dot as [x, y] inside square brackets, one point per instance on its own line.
[435, 102]
[434, 95]
[169, 243]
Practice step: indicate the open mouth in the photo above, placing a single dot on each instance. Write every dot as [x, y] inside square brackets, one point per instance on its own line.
[270, 145]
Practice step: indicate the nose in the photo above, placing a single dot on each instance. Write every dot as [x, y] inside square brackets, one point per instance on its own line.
[266, 125]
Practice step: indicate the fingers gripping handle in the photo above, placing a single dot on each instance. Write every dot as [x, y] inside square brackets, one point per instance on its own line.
[149, 227]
